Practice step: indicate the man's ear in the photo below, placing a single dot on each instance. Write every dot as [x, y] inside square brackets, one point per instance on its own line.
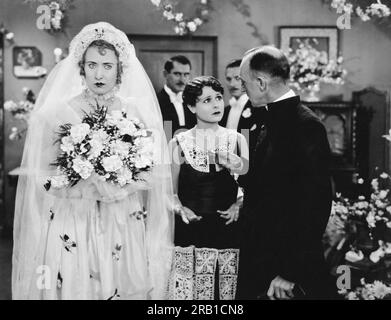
[165, 73]
[262, 83]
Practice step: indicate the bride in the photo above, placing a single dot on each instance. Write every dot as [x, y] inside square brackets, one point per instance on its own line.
[93, 240]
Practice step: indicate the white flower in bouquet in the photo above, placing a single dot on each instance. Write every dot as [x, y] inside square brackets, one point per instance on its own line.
[83, 167]
[79, 132]
[67, 144]
[60, 181]
[120, 148]
[112, 163]
[125, 126]
[98, 140]
[371, 219]
[125, 176]
[142, 161]
[114, 117]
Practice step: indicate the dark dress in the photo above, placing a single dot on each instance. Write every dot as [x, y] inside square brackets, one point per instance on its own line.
[205, 193]
[207, 254]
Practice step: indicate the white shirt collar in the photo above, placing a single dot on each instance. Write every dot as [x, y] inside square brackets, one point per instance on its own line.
[287, 95]
[172, 93]
[233, 102]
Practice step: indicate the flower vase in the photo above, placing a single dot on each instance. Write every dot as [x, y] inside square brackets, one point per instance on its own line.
[310, 95]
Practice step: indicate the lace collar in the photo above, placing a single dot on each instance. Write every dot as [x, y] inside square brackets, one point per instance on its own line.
[195, 148]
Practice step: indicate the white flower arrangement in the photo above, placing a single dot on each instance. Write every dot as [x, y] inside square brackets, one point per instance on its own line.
[373, 10]
[58, 16]
[377, 290]
[184, 25]
[21, 111]
[310, 67]
[112, 145]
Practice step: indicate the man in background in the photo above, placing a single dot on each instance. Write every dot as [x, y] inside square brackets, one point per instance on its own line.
[175, 115]
[238, 114]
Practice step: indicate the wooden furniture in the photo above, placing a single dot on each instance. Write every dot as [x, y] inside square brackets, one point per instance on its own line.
[346, 127]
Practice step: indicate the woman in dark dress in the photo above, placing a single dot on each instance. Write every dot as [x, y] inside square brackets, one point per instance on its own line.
[205, 163]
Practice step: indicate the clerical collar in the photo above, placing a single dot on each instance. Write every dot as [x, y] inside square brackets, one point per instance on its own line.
[287, 95]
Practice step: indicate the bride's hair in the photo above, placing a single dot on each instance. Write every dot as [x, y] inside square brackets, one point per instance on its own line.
[194, 88]
[100, 45]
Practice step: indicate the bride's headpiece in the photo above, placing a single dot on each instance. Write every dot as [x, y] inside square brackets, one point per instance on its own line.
[101, 31]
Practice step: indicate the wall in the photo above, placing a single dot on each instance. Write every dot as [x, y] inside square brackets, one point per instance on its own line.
[366, 49]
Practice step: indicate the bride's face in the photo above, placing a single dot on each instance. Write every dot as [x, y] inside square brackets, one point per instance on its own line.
[100, 69]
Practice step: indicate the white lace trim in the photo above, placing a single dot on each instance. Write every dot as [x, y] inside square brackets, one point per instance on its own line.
[193, 273]
[195, 147]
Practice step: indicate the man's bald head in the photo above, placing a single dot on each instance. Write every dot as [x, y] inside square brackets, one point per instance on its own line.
[269, 60]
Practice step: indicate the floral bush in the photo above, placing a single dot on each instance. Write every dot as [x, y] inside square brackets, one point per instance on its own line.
[310, 67]
[363, 227]
[21, 111]
[183, 24]
[365, 10]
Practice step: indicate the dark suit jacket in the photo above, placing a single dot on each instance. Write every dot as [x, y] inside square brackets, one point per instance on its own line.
[287, 204]
[169, 114]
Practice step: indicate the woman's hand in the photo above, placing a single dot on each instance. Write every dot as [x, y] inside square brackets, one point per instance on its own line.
[232, 214]
[187, 214]
[228, 160]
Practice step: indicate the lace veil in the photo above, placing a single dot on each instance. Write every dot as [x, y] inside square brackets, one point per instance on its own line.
[51, 110]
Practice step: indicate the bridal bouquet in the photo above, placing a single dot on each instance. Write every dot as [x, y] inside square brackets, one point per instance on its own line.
[117, 148]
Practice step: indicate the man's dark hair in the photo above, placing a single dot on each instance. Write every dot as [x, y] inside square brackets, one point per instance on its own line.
[270, 64]
[101, 44]
[169, 65]
[234, 64]
[194, 88]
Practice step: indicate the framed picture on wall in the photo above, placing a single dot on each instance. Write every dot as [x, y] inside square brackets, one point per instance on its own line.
[27, 62]
[321, 38]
